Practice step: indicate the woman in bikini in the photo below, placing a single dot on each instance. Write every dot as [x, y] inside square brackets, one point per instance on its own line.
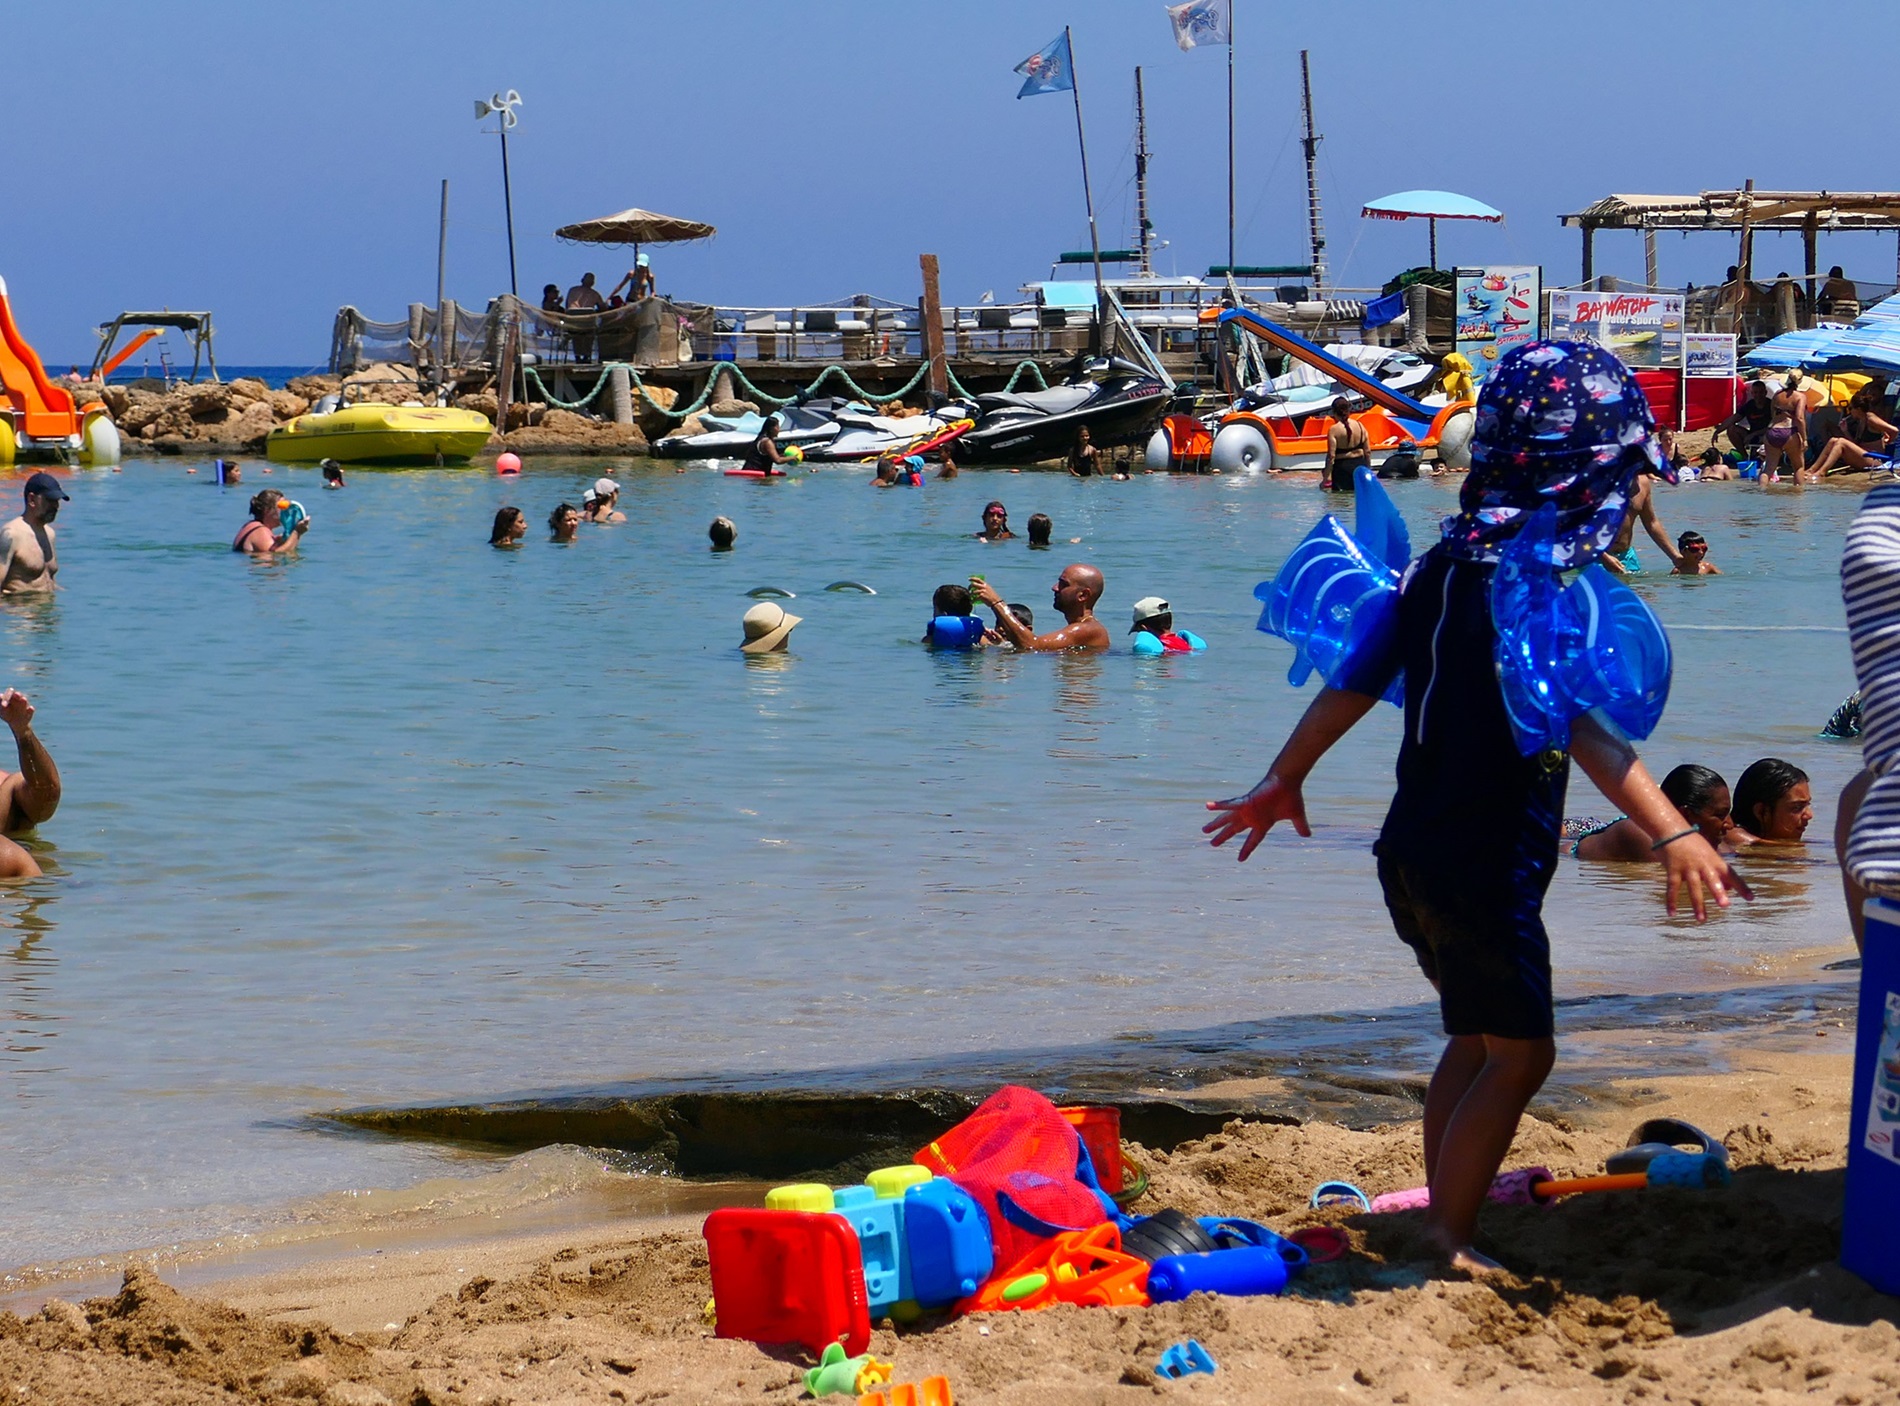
[1787, 437]
[1862, 431]
[1348, 447]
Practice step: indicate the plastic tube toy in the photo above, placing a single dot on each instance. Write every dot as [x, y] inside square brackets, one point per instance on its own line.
[839, 1375]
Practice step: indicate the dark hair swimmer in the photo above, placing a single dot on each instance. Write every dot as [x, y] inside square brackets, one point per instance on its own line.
[1773, 803]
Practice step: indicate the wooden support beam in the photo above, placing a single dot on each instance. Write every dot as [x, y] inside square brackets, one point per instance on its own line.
[939, 377]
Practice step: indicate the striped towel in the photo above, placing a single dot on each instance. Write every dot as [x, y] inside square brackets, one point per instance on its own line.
[1870, 587]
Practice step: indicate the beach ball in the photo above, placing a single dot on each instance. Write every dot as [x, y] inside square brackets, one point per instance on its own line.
[794, 455]
[508, 464]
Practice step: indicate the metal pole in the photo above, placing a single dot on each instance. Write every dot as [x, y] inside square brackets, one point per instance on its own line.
[1434, 225]
[1315, 227]
[1230, 138]
[441, 271]
[1141, 176]
[508, 204]
[1088, 199]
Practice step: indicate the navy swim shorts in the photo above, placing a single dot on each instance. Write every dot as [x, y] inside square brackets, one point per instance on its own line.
[1483, 945]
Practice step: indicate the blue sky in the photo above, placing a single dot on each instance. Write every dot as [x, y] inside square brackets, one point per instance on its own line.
[272, 161]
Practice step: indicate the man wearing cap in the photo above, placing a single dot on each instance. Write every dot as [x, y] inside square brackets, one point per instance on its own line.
[768, 626]
[1077, 590]
[599, 506]
[1154, 629]
[27, 562]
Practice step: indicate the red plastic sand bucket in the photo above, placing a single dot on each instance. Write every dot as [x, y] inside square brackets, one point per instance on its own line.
[1100, 1128]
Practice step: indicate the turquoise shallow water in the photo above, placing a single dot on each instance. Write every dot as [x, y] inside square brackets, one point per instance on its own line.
[408, 818]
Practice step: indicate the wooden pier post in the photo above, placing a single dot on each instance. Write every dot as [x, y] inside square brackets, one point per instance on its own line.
[938, 379]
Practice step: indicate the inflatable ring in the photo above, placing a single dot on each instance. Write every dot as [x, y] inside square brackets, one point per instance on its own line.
[770, 593]
[857, 586]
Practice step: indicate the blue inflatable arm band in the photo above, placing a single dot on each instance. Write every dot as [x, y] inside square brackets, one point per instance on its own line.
[1337, 595]
[955, 631]
[1564, 650]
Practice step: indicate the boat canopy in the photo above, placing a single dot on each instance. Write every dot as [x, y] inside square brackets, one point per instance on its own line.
[1066, 293]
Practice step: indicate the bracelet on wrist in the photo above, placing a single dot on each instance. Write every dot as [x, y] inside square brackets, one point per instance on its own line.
[1671, 839]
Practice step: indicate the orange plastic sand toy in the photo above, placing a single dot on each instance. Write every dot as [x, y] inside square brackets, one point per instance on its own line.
[932, 1391]
[1079, 1266]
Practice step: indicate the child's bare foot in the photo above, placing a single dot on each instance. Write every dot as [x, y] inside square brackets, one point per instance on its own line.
[1472, 1262]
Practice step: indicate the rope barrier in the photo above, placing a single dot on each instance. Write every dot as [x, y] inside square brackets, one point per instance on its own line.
[762, 397]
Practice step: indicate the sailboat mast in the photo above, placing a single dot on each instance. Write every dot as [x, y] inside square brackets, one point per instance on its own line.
[1316, 226]
[1142, 227]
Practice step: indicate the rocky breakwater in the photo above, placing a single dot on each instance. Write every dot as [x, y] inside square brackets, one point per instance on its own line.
[235, 417]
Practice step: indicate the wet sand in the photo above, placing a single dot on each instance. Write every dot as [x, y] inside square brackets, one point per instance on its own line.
[1708, 1297]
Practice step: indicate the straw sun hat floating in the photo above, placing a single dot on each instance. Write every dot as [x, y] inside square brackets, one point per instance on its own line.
[766, 626]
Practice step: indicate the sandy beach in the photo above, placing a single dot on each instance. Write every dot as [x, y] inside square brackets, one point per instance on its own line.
[1704, 1297]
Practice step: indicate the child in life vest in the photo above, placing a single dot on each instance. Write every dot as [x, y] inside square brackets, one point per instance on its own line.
[1471, 841]
[1154, 630]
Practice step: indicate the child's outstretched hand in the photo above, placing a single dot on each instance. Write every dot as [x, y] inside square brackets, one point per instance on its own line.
[1257, 812]
[1692, 862]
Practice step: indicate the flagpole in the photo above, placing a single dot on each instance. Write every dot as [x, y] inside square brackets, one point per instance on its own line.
[1088, 199]
[1230, 140]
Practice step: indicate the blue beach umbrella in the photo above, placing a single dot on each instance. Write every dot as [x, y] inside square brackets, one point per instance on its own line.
[1432, 205]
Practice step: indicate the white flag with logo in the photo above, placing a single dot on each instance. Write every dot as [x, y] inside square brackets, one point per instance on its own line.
[1200, 22]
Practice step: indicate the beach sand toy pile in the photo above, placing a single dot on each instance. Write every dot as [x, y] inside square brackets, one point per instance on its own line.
[1005, 1212]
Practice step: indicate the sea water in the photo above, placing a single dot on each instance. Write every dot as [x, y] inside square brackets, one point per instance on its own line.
[408, 818]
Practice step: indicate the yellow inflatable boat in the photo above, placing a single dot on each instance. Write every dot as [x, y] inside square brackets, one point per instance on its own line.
[381, 434]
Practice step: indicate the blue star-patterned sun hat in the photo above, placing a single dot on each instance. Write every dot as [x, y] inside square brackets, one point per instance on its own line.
[1563, 423]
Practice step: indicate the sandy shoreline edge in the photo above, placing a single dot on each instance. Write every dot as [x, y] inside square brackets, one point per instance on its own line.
[1668, 1296]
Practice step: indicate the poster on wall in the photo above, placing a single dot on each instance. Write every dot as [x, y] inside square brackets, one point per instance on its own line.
[1643, 329]
[1709, 354]
[1497, 309]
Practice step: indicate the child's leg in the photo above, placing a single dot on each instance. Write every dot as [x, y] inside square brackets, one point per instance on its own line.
[1477, 1132]
[1457, 1067]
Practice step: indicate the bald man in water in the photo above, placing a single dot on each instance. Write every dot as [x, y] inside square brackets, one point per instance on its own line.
[1076, 592]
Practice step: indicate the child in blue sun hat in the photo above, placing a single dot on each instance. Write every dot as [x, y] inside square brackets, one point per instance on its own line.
[1471, 840]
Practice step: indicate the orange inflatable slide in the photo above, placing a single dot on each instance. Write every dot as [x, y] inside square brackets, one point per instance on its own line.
[38, 419]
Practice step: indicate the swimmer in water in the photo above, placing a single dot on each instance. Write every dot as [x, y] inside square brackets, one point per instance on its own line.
[29, 795]
[1076, 592]
[601, 507]
[28, 563]
[1694, 558]
[723, 532]
[563, 523]
[332, 473]
[511, 525]
[1699, 793]
[763, 456]
[1774, 804]
[1039, 529]
[1620, 558]
[259, 537]
[995, 523]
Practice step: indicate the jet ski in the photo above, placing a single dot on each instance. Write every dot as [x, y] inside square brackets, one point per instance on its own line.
[827, 429]
[730, 436]
[1119, 405]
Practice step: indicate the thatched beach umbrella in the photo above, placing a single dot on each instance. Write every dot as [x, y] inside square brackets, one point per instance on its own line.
[636, 227]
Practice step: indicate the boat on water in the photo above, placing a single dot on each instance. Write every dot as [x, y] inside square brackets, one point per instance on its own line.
[1119, 404]
[392, 435]
[825, 429]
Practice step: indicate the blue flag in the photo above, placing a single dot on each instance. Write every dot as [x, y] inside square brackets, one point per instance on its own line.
[1201, 22]
[1050, 71]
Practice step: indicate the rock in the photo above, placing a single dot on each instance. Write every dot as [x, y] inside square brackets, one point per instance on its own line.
[733, 407]
[246, 389]
[249, 426]
[287, 405]
[139, 410]
[691, 425]
[566, 422]
[354, 1394]
[313, 388]
[116, 399]
[385, 383]
[206, 401]
[483, 402]
[663, 396]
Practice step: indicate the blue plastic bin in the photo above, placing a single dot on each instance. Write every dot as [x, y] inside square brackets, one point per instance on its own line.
[879, 1222]
[950, 1254]
[1870, 1228]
